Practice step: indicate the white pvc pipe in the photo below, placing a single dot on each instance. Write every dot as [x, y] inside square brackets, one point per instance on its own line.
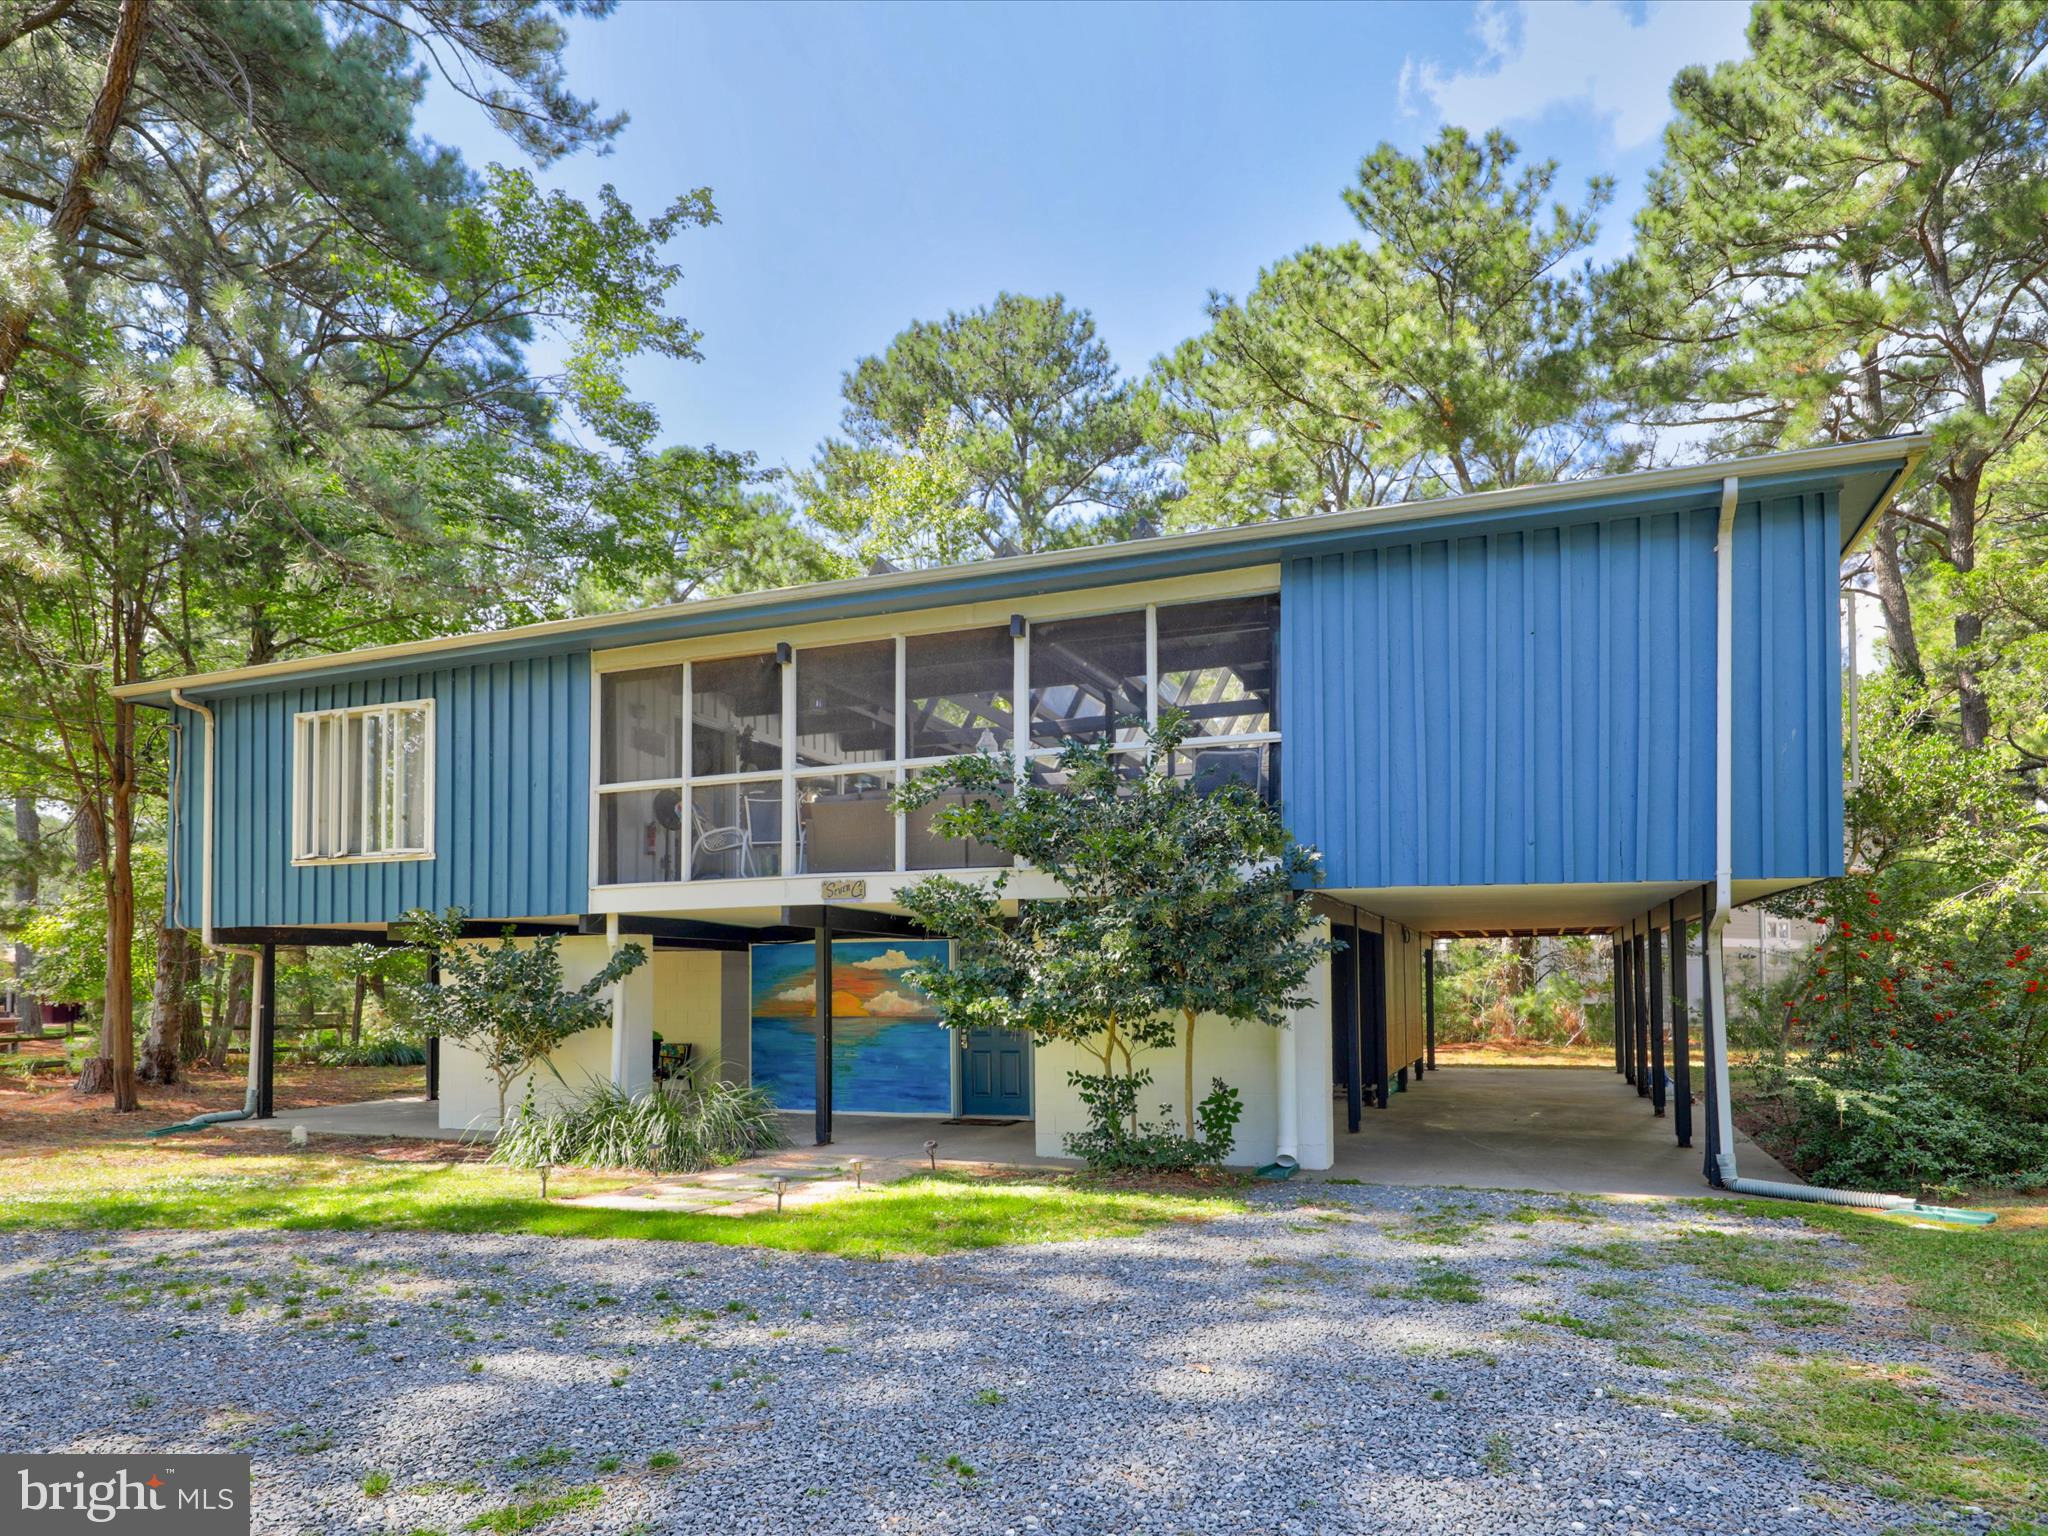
[205, 819]
[1287, 1139]
[611, 945]
[1724, 821]
[1853, 683]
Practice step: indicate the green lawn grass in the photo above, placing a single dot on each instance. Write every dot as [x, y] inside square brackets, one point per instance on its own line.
[1892, 1429]
[1990, 1282]
[124, 1187]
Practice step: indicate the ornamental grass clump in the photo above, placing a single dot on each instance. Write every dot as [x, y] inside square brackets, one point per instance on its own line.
[691, 1122]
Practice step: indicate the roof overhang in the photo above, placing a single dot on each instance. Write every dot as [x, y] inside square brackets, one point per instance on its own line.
[1865, 476]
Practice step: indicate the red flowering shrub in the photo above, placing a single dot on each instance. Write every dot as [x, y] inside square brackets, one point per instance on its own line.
[1926, 1045]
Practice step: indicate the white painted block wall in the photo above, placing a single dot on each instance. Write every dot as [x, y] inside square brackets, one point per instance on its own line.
[1247, 1056]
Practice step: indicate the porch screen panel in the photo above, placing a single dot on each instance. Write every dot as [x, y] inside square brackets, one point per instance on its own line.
[642, 726]
[846, 704]
[736, 716]
[1216, 663]
[959, 697]
[958, 687]
[1088, 680]
[735, 809]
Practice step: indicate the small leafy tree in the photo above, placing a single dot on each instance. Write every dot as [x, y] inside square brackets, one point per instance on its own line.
[505, 1001]
[1173, 904]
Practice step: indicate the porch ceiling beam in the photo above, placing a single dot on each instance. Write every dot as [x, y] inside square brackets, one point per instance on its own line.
[852, 922]
[310, 938]
[683, 930]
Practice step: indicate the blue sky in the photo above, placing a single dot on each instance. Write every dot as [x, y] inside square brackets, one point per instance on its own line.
[875, 165]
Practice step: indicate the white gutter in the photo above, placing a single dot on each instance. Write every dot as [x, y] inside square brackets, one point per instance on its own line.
[205, 819]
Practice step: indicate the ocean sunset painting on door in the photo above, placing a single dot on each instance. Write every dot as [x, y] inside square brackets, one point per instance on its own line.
[889, 1053]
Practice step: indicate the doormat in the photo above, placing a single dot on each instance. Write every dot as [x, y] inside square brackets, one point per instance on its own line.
[980, 1120]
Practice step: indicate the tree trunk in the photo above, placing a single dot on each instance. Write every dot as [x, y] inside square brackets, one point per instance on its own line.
[74, 205]
[308, 1014]
[86, 841]
[355, 1015]
[191, 1028]
[162, 1047]
[113, 1070]
[1973, 709]
[1187, 1084]
[1892, 597]
[28, 837]
[235, 1016]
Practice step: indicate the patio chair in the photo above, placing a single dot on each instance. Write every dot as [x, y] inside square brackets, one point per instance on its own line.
[707, 839]
[671, 1061]
[1218, 766]
[761, 815]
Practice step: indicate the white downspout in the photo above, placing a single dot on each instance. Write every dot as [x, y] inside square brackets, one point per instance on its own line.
[1854, 681]
[1724, 819]
[1287, 1139]
[205, 818]
[1713, 958]
[611, 947]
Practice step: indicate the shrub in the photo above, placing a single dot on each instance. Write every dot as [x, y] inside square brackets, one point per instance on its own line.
[687, 1123]
[505, 1001]
[387, 1052]
[1117, 1140]
[1926, 1062]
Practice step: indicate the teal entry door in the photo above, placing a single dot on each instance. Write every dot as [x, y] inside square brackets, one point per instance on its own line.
[995, 1072]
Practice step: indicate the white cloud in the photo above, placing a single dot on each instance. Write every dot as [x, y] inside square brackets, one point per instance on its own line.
[1590, 54]
[895, 1005]
[887, 960]
[806, 993]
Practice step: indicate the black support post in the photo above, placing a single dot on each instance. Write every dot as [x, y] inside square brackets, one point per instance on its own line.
[433, 1041]
[1656, 1020]
[1429, 1002]
[1373, 986]
[1626, 1019]
[1344, 993]
[1614, 988]
[263, 1036]
[1642, 1019]
[1708, 1024]
[1681, 1041]
[821, 980]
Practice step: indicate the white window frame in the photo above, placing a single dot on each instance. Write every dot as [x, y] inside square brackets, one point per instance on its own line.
[898, 769]
[335, 768]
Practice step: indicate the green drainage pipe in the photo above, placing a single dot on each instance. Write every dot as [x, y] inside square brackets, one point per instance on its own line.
[1280, 1169]
[200, 1122]
[1953, 1215]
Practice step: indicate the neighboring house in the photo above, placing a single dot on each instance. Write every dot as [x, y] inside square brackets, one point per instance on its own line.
[1504, 713]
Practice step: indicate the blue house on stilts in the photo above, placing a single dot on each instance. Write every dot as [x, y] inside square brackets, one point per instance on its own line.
[1604, 706]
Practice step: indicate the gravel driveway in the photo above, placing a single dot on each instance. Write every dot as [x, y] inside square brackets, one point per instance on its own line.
[1342, 1359]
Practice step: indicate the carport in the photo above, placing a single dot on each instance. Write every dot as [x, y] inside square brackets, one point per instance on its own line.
[1397, 1120]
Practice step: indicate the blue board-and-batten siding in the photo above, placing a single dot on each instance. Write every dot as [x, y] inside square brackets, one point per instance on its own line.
[1535, 706]
[511, 801]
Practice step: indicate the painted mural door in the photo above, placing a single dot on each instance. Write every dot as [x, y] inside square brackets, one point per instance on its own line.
[995, 1072]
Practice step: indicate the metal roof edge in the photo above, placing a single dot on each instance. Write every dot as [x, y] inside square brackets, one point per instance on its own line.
[1091, 565]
